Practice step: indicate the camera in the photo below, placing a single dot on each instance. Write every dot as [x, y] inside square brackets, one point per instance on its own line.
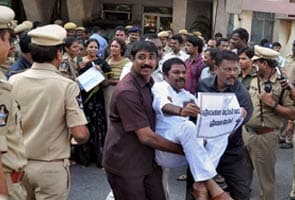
[267, 87]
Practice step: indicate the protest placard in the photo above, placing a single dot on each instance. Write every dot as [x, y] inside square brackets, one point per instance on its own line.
[91, 78]
[220, 114]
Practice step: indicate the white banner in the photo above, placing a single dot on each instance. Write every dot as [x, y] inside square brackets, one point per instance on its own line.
[220, 114]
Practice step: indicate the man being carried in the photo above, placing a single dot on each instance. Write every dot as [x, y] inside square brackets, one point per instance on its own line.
[174, 105]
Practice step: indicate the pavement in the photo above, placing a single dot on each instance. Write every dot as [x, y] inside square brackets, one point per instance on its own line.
[90, 183]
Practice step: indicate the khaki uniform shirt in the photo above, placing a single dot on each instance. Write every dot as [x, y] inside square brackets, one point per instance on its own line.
[270, 117]
[5, 66]
[69, 67]
[11, 140]
[50, 105]
[290, 67]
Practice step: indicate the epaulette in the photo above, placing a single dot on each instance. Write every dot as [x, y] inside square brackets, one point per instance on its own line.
[4, 85]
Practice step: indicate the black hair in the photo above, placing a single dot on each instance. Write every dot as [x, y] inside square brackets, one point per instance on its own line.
[143, 45]
[177, 37]
[218, 42]
[263, 42]
[225, 55]
[44, 54]
[24, 42]
[122, 44]
[168, 63]
[276, 44]
[69, 41]
[218, 35]
[248, 51]
[92, 40]
[213, 52]
[196, 42]
[96, 29]
[120, 28]
[243, 34]
[270, 62]
[149, 36]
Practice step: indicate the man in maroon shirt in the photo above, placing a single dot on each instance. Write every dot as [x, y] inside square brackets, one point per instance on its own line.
[194, 64]
[130, 142]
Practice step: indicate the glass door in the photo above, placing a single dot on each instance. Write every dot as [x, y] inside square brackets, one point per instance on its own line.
[155, 22]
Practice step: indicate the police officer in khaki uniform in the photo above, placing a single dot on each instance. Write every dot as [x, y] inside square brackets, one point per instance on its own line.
[50, 107]
[272, 105]
[69, 66]
[70, 28]
[11, 141]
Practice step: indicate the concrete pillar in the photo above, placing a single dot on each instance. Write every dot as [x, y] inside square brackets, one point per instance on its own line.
[220, 17]
[244, 20]
[286, 36]
[75, 11]
[179, 14]
[39, 9]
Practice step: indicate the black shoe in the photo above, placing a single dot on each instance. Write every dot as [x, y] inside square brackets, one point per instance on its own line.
[286, 146]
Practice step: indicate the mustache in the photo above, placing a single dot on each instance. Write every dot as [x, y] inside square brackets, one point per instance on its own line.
[146, 66]
[181, 79]
[232, 77]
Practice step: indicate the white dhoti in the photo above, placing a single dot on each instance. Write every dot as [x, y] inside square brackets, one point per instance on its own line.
[202, 160]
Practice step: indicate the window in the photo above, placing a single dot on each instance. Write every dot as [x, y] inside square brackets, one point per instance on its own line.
[262, 26]
[116, 12]
[160, 10]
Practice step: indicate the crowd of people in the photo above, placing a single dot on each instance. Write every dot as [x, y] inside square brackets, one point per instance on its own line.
[140, 121]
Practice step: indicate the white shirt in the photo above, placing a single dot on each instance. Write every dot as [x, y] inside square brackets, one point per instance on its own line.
[164, 94]
[181, 54]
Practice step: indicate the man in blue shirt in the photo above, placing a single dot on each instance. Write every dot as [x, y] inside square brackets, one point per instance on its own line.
[24, 61]
[233, 165]
[102, 42]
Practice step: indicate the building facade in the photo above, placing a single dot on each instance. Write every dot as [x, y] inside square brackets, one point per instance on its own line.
[270, 19]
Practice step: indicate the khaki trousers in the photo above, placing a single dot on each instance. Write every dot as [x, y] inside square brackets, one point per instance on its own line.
[262, 152]
[47, 180]
[292, 193]
[16, 191]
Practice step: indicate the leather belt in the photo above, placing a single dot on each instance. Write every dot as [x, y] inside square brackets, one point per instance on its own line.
[55, 160]
[16, 177]
[261, 130]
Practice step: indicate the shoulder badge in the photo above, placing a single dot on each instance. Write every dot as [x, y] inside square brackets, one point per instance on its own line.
[3, 115]
[80, 102]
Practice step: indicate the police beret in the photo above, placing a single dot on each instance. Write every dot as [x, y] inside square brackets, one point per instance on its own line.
[134, 29]
[49, 35]
[80, 28]
[6, 16]
[183, 31]
[265, 53]
[58, 22]
[163, 34]
[128, 27]
[70, 25]
[28, 24]
[197, 33]
[22, 27]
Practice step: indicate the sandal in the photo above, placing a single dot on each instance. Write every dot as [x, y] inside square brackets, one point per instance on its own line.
[182, 177]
